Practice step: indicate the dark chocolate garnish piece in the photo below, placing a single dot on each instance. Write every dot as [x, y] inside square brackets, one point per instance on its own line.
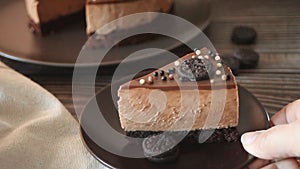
[195, 69]
[243, 35]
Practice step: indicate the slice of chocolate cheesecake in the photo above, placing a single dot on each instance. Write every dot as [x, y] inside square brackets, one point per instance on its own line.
[101, 12]
[184, 96]
[46, 16]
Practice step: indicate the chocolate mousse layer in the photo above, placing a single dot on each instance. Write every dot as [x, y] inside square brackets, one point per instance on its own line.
[154, 110]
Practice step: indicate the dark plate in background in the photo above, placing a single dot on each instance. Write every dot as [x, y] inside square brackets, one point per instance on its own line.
[212, 156]
[61, 48]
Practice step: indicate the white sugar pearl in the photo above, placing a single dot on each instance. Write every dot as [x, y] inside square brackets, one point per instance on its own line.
[176, 63]
[200, 57]
[142, 81]
[217, 58]
[171, 76]
[219, 65]
[224, 77]
[193, 56]
[198, 52]
[212, 80]
[218, 72]
[206, 57]
[150, 79]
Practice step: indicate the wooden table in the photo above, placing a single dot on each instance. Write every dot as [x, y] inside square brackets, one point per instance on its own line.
[276, 80]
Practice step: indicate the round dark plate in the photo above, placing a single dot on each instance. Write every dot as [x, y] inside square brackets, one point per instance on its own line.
[62, 48]
[210, 156]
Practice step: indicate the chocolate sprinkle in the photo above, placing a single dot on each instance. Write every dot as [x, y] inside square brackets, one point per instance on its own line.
[155, 74]
[162, 73]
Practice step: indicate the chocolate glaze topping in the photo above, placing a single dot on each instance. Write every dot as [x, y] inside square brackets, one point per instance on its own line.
[191, 72]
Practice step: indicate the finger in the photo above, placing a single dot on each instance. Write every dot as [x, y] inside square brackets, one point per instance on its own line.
[283, 164]
[288, 114]
[277, 142]
[257, 164]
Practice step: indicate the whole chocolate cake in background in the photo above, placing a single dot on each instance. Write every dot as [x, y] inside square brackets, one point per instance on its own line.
[50, 15]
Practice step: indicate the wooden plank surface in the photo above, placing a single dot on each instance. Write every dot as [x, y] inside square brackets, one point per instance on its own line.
[276, 80]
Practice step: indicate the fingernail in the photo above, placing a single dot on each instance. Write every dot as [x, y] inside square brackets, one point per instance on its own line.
[272, 124]
[248, 138]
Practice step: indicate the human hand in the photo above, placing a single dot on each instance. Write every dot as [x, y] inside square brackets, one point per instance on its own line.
[281, 142]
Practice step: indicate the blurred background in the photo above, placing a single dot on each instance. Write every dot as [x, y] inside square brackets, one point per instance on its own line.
[276, 79]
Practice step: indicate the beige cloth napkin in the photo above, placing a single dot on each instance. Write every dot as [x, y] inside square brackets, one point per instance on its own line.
[36, 130]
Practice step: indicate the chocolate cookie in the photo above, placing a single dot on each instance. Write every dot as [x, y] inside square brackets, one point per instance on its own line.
[195, 69]
[248, 58]
[243, 35]
[160, 148]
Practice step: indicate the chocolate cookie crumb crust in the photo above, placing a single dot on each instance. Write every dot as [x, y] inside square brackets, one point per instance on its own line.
[218, 136]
